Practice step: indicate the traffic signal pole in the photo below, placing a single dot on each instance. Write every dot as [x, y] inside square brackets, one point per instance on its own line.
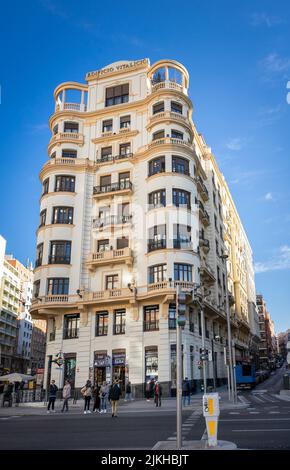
[178, 376]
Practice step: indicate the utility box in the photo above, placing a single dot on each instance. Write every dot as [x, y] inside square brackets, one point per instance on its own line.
[211, 412]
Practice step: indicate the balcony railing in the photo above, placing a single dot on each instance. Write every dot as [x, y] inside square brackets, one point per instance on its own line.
[182, 244]
[102, 331]
[170, 85]
[67, 137]
[108, 294]
[167, 285]
[109, 256]
[151, 325]
[111, 220]
[119, 329]
[69, 161]
[56, 259]
[70, 107]
[171, 141]
[204, 215]
[70, 333]
[114, 158]
[156, 245]
[202, 188]
[109, 188]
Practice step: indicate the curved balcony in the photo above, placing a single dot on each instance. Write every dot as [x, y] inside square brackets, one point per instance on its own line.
[121, 188]
[108, 295]
[64, 138]
[48, 302]
[207, 275]
[168, 116]
[114, 159]
[203, 215]
[168, 85]
[163, 288]
[110, 257]
[71, 107]
[59, 163]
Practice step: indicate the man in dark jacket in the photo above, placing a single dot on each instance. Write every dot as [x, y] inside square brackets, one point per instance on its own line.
[114, 396]
[186, 391]
[52, 396]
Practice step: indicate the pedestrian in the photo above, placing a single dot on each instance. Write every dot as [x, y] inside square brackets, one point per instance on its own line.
[96, 396]
[151, 388]
[66, 392]
[157, 393]
[186, 391]
[114, 396]
[128, 395]
[104, 397]
[147, 391]
[52, 396]
[86, 392]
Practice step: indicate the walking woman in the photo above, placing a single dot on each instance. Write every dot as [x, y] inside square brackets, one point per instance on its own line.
[86, 391]
[97, 401]
[104, 397]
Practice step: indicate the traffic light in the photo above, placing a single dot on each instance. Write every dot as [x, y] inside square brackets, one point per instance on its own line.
[181, 299]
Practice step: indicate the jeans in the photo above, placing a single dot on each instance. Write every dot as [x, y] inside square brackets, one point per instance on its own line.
[184, 399]
[128, 396]
[87, 403]
[65, 404]
[104, 403]
[157, 400]
[51, 402]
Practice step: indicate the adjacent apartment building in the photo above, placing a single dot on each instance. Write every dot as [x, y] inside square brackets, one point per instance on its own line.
[268, 345]
[133, 206]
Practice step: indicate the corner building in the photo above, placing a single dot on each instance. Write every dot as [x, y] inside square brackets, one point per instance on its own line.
[125, 217]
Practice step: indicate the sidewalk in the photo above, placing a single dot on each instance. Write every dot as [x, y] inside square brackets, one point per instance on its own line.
[134, 406]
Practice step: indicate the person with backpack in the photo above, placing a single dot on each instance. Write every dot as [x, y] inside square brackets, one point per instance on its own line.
[104, 397]
[114, 396]
[52, 396]
[186, 391]
[86, 392]
[66, 392]
[157, 393]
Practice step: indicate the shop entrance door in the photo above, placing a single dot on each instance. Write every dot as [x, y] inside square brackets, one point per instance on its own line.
[100, 375]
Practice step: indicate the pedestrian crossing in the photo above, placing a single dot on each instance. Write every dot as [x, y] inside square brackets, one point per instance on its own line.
[260, 397]
[187, 425]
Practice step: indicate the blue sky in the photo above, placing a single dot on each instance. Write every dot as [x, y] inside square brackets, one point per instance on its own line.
[238, 57]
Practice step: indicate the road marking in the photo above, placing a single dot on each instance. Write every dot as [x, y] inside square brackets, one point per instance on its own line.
[254, 412]
[259, 391]
[257, 399]
[265, 397]
[258, 430]
[274, 412]
[234, 413]
[243, 400]
[256, 419]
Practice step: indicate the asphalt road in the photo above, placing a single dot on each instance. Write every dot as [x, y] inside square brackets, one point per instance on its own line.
[264, 424]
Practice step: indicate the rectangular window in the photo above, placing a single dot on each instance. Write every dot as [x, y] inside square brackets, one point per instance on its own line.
[191, 320]
[199, 324]
[172, 317]
[119, 322]
[57, 286]
[151, 363]
[71, 326]
[157, 237]
[62, 215]
[151, 318]
[122, 243]
[72, 127]
[107, 125]
[158, 108]
[106, 154]
[182, 272]
[102, 320]
[66, 153]
[39, 254]
[181, 198]
[158, 135]
[176, 107]
[157, 273]
[180, 165]
[65, 183]
[181, 236]
[42, 218]
[45, 186]
[60, 252]
[218, 275]
[124, 180]
[103, 245]
[112, 281]
[117, 95]
[36, 289]
[176, 134]
[157, 165]
[55, 129]
[157, 199]
[125, 149]
[105, 183]
[125, 122]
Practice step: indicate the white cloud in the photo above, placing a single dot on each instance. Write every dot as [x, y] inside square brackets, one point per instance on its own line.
[37, 128]
[246, 177]
[275, 68]
[268, 197]
[235, 144]
[263, 19]
[280, 262]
